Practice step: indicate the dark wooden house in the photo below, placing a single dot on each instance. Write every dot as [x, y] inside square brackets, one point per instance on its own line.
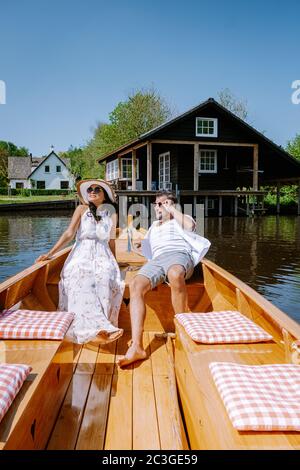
[206, 154]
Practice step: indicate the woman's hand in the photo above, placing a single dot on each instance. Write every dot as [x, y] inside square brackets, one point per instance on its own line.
[137, 243]
[43, 258]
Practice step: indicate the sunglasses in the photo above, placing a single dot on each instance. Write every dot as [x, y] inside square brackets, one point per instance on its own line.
[96, 190]
[159, 204]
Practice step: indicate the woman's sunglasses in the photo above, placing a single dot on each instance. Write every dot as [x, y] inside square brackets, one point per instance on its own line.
[96, 190]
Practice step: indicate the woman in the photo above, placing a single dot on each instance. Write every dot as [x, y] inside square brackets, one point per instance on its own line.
[91, 285]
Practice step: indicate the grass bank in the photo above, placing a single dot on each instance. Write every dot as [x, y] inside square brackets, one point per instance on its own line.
[31, 199]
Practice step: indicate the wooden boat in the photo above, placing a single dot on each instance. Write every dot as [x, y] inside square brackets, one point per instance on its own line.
[77, 398]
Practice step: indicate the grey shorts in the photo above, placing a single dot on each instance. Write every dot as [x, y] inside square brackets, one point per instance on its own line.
[156, 269]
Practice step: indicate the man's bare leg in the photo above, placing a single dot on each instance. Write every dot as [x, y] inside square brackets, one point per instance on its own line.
[138, 288]
[176, 276]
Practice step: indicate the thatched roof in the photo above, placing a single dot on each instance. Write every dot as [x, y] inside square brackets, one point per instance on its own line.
[19, 167]
[35, 161]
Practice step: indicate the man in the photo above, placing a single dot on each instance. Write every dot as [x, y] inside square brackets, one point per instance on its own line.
[175, 250]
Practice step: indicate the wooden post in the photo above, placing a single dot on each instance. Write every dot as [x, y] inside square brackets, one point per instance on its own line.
[299, 198]
[196, 167]
[220, 206]
[255, 167]
[119, 171]
[206, 206]
[278, 198]
[247, 206]
[149, 166]
[235, 206]
[133, 178]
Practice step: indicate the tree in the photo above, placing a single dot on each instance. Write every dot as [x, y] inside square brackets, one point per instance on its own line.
[233, 104]
[293, 147]
[8, 149]
[143, 110]
[82, 164]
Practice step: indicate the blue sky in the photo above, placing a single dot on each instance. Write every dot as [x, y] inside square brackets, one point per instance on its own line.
[67, 63]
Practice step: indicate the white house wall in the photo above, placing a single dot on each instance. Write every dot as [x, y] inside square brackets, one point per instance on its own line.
[26, 183]
[53, 179]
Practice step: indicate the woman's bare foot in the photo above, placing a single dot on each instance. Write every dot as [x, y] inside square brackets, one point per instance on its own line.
[106, 337]
[115, 335]
[133, 354]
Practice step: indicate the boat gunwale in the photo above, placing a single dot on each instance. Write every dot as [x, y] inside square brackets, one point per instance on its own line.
[281, 319]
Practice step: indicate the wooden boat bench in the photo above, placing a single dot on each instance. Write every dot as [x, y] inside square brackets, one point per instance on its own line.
[31, 417]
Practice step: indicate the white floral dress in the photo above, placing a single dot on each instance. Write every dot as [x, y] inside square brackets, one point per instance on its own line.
[91, 286]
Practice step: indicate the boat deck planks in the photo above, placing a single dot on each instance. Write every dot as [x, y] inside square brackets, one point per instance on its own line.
[67, 426]
[172, 435]
[145, 425]
[119, 422]
[111, 408]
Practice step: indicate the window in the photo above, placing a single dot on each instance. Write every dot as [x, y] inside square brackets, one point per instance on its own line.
[208, 161]
[112, 170]
[210, 204]
[206, 127]
[47, 169]
[58, 169]
[19, 185]
[64, 185]
[40, 185]
[164, 171]
[127, 168]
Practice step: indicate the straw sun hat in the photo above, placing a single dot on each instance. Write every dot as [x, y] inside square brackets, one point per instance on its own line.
[83, 185]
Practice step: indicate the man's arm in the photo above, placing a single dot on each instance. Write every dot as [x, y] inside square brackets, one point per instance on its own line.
[186, 221]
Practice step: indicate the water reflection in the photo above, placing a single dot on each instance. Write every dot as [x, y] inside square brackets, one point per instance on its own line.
[263, 252]
[24, 237]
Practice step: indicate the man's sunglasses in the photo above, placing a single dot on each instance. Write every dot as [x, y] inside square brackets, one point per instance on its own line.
[159, 204]
[96, 190]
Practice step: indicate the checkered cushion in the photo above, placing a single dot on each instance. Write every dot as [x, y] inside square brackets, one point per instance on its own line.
[260, 398]
[222, 327]
[12, 377]
[31, 324]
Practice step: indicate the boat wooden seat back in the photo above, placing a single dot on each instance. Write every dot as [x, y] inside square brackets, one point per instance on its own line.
[207, 422]
[31, 417]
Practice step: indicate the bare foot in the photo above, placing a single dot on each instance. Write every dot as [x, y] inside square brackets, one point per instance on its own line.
[133, 354]
[106, 337]
[115, 335]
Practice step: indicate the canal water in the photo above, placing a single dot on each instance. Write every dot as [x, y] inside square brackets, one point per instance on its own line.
[264, 252]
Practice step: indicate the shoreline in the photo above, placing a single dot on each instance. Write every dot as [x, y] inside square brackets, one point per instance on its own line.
[43, 205]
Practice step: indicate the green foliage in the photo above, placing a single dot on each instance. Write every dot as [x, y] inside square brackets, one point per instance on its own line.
[143, 110]
[238, 107]
[82, 163]
[293, 147]
[11, 150]
[288, 195]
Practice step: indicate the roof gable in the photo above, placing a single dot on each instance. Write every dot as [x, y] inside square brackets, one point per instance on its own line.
[246, 131]
[44, 160]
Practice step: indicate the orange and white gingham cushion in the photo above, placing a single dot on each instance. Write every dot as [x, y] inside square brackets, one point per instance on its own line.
[31, 324]
[260, 398]
[222, 327]
[12, 377]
